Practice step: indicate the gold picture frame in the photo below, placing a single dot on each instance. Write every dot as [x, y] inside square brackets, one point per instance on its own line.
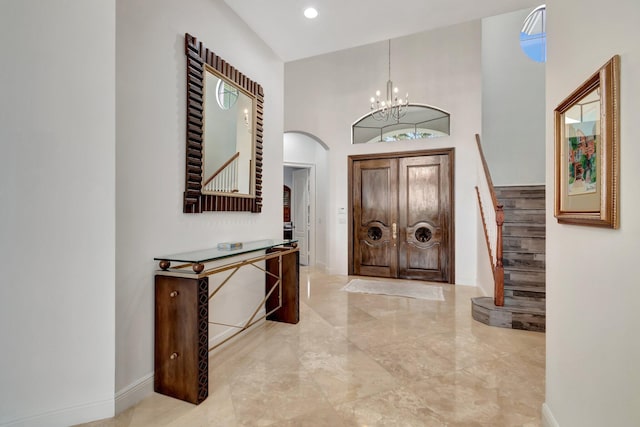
[587, 169]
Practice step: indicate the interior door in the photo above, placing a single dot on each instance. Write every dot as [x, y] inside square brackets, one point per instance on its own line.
[375, 200]
[402, 217]
[301, 212]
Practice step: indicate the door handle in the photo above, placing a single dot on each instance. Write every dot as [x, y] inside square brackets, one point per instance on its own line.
[394, 231]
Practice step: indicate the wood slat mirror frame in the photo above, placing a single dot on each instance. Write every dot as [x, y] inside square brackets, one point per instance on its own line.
[194, 200]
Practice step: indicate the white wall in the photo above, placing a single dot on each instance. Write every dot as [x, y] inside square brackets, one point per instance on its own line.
[304, 150]
[57, 214]
[151, 93]
[593, 291]
[513, 100]
[288, 177]
[324, 95]
[485, 265]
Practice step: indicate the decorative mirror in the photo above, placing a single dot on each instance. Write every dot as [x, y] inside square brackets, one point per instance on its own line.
[224, 135]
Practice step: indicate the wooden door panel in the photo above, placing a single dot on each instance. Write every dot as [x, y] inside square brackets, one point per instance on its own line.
[375, 198]
[421, 260]
[423, 249]
[421, 184]
[423, 218]
[376, 195]
[375, 261]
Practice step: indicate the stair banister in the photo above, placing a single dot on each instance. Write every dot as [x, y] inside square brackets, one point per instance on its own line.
[493, 233]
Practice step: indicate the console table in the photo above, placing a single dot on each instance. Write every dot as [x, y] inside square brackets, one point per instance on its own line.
[181, 349]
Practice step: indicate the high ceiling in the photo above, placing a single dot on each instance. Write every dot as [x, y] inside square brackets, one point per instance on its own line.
[343, 24]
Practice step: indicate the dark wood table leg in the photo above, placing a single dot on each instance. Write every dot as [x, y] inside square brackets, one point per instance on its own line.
[290, 310]
[182, 338]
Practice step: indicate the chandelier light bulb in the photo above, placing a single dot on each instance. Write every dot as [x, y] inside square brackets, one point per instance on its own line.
[395, 90]
[377, 93]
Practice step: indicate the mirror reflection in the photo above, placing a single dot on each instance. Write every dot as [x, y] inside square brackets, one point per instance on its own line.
[228, 142]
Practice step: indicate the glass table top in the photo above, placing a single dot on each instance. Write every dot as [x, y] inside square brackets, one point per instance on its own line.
[211, 254]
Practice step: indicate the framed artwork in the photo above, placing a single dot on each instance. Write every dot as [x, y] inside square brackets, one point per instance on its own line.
[587, 170]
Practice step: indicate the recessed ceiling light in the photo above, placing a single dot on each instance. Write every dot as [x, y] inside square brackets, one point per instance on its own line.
[310, 13]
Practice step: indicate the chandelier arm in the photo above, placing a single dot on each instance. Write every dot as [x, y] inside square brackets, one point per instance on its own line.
[389, 66]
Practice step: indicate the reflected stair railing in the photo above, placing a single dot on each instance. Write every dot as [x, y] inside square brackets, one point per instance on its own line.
[225, 179]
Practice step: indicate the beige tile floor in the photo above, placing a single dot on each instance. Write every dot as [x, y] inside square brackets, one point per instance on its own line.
[365, 360]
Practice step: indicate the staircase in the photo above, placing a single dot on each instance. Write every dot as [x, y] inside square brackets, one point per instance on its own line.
[524, 262]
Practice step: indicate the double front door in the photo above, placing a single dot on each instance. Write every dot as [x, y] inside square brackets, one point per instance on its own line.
[402, 220]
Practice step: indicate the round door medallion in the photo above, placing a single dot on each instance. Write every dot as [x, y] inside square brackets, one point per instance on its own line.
[423, 234]
[374, 233]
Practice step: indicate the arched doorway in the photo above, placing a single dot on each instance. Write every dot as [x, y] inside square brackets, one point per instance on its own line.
[305, 158]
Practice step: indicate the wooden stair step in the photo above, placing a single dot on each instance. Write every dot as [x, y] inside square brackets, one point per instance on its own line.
[537, 299]
[514, 317]
[524, 298]
[537, 288]
[523, 260]
[528, 192]
[488, 303]
[524, 277]
[523, 255]
[523, 244]
[513, 229]
[536, 203]
[524, 292]
[526, 216]
[523, 303]
[534, 288]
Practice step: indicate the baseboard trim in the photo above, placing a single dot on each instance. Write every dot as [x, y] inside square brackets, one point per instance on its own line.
[134, 393]
[321, 266]
[68, 416]
[465, 281]
[548, 420]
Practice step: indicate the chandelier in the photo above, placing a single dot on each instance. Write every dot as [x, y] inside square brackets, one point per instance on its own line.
[391, 107]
